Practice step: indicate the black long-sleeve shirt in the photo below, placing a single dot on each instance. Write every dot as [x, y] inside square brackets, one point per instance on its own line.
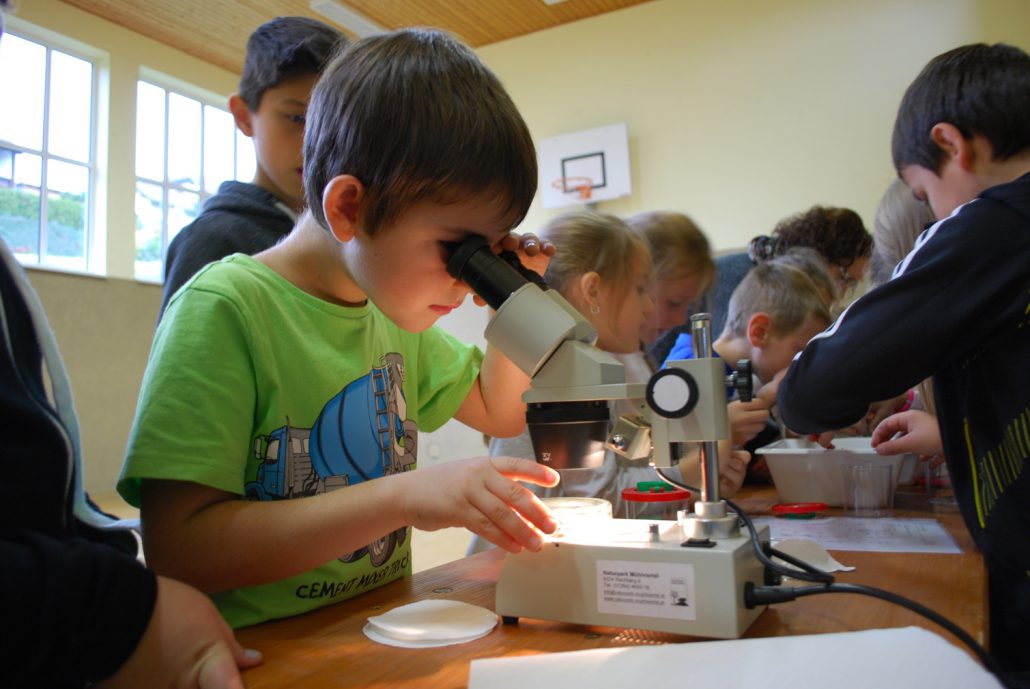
[957, 308]
[74, 601]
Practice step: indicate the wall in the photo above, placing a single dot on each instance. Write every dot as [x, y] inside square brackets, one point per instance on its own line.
[742, 113]
[739, 114]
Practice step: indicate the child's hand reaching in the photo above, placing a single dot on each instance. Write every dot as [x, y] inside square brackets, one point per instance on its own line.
[483, 496]
[732, 471]
[746, 419]
[916, 432]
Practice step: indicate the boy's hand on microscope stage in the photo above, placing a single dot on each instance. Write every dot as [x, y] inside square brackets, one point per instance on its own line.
[746, 419]
[482, 495]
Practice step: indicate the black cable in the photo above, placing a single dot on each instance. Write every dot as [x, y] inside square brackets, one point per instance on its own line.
[806, 572]
[768, 595]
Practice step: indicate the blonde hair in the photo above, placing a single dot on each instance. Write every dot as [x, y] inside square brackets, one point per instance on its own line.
[678, 246]
[783, 291]
[587, 242]
[900, 218]
[809, 262]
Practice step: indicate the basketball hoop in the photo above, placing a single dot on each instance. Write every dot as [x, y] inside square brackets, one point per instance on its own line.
[583, 186]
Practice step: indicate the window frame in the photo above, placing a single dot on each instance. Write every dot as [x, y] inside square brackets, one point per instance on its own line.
[206, 98]
[95, 244]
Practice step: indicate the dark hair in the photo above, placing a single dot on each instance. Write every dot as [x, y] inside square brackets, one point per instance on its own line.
[283, 48]
[415, 116]
[836, 233]
[980, 89]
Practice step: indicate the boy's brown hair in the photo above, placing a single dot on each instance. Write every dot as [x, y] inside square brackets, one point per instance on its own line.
[415, 116]
[285, 48]
[783, 291]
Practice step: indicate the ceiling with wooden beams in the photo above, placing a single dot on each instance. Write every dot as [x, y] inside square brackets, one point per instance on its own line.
[216, 31]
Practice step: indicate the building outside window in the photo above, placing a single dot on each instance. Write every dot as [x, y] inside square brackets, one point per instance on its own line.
[47, 143]
[185, 148]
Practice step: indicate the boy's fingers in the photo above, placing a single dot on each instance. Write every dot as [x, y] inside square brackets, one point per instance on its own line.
[526, 470]
[515, 510]
[500, 516]
[887, 428]
[218, 669]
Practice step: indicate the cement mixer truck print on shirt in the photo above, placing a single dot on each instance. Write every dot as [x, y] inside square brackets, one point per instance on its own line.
[360, 435]
[262, 391]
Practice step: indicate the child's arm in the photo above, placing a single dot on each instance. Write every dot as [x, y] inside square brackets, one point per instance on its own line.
[494, 404]
[216, 541]
[186, 643]
[746, 419]
[732, 469]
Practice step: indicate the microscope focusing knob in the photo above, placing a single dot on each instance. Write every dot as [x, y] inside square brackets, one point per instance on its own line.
[742, 380]
[672, 392]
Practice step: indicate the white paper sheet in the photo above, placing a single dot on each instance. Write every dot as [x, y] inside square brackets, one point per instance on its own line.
[874, 534]
[911, 657]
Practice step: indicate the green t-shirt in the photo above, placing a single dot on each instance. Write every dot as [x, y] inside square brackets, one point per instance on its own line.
[257, 388]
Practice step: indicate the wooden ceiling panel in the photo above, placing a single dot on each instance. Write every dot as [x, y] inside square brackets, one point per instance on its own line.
[216, 31]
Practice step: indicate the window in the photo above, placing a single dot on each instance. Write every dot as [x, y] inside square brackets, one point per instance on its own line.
[47, 169]
[185, 148]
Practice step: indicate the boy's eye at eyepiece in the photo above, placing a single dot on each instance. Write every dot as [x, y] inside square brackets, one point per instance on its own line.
[494, 277]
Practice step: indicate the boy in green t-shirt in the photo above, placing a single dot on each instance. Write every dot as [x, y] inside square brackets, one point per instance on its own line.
[306, 370]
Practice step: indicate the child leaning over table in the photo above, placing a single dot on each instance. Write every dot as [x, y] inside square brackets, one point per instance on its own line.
[306, 371]
[603, 268]
[773, 312]
[955, 309]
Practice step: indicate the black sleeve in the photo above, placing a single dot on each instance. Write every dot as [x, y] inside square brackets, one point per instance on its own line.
[73, 611]
[934, 312]
[193, 248]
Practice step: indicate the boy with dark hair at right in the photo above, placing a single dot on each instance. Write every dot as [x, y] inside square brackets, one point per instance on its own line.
[285, 57]
[958, 309]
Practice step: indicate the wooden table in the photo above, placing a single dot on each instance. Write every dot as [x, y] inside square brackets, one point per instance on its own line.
[327, 648]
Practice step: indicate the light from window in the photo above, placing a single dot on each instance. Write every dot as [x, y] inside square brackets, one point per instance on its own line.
[46, 161]
[185, 149]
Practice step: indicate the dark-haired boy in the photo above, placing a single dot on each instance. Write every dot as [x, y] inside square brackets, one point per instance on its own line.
[957, 309]
[300, 377]
[285, 57]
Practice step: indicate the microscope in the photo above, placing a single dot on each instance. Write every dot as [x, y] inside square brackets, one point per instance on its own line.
[686, 576]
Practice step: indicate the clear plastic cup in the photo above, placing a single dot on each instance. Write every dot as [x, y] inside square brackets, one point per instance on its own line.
[868, 490]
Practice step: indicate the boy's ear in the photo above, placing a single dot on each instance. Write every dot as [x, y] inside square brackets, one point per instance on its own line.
[241, 114]
[950, 140]
[341, 203]
[759, 328]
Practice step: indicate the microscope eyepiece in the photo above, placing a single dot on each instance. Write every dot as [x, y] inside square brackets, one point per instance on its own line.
[494, 277]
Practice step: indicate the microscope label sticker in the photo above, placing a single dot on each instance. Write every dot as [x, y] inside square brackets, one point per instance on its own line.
[646, 589]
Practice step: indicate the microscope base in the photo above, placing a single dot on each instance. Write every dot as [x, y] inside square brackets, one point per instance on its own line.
[618, 574]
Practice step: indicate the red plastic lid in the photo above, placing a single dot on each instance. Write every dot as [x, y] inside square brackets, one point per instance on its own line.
[799, 507]
[654, 491]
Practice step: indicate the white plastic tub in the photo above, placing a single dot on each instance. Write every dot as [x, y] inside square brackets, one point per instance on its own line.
[804, 471]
